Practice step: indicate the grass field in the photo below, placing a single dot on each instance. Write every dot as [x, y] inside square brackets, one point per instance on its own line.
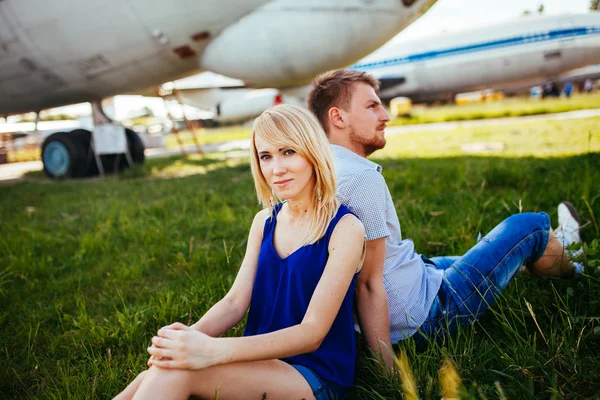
[508, 107]
[205, 136]
[89, 270]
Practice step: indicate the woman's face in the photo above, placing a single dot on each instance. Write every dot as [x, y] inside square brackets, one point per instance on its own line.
[289, 174]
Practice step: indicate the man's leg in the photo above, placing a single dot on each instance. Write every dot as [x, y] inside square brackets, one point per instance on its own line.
[476, 279]
[444, 262]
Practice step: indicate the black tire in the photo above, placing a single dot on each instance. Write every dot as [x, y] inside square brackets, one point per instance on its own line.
[91, 168]
[110, 162]
[84, 138]
[136, 151]
[63, 156]
[136, 147]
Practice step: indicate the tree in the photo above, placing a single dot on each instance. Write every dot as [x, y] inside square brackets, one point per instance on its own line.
[594, 4]
[541, 9]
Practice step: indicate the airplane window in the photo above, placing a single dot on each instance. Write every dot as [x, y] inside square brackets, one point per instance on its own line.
[552, 54]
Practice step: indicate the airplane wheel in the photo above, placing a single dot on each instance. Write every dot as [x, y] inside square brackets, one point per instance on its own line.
[84, 138]
[91, 168]
[63, 156]
[136, 147]
[111, 163]
[136, 151]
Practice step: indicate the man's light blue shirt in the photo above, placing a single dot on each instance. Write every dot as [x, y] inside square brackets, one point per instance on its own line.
[410, 283]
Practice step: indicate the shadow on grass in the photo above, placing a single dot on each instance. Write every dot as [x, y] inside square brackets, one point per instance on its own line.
[174, 166]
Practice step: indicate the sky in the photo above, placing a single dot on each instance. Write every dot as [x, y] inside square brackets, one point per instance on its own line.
[454, 15]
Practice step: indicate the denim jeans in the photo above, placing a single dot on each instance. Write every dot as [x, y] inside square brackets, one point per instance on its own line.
[472, 282]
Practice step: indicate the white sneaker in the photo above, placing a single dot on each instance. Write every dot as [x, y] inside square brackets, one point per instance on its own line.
[568, 231]
[568, 224]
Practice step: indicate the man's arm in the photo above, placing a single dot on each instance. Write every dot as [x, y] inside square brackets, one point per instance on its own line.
[371, 301]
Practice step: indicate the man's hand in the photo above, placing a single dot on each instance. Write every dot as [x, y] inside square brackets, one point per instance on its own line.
[181, 347]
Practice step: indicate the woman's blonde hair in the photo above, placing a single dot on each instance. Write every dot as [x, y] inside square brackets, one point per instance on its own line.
[296, 128]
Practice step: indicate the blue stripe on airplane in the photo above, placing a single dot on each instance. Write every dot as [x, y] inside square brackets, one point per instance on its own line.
[539, 37]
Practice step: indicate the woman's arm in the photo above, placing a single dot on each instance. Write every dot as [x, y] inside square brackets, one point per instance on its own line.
[194, 350]
[230, 310]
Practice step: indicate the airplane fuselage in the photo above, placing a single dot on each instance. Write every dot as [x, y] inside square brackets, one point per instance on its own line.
[58, 53]
[521, 52]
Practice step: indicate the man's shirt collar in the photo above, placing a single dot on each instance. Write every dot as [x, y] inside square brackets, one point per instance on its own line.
[349, 155]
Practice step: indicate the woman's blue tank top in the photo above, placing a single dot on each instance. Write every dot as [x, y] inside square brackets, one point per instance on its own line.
[282, 291]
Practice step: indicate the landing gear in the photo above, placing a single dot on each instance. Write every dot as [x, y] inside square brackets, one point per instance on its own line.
[69, 155]
[136, 147]
[63, 156]
[76, 155]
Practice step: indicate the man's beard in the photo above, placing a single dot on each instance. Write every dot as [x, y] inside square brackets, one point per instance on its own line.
[368, 146]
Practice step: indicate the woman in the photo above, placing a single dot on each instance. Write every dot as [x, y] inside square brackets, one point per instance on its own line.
[297, 277]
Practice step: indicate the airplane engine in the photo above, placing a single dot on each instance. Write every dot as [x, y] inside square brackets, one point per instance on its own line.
[237, 104]
[274, 42]
[248, 105]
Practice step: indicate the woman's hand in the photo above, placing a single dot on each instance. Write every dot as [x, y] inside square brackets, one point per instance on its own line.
[181, 347]
[175, 325]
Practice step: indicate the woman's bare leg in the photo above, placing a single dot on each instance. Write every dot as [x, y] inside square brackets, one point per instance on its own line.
[271, 379]
[130, 390]
[554, 262]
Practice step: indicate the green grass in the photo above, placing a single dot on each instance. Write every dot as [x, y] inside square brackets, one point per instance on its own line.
[90, 269]
[22, 155]
[509, 107]
[518, 139]
[205, 136]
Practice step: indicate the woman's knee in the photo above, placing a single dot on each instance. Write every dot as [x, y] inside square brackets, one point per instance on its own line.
[168, 376]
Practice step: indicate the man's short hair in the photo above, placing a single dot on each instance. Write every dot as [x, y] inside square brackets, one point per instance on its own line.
[334, 89]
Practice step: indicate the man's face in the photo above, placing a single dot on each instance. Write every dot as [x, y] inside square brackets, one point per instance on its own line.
[366, 119]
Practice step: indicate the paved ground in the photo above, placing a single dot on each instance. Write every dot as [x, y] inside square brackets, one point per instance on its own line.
[15, 171]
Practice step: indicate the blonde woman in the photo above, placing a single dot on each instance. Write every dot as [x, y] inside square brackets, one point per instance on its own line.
[297, 278]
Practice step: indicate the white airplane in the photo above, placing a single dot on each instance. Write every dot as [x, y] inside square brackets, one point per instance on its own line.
[510, 56]
[518, 53]
[71, 51]
[577, 77]
[580, 74]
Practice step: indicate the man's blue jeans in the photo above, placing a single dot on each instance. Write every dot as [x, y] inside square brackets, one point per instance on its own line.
[472, 282]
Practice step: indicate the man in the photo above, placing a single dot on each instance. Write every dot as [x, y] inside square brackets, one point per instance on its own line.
[401, 293]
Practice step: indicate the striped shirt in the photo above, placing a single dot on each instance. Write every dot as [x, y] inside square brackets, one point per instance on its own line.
[410, 283]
